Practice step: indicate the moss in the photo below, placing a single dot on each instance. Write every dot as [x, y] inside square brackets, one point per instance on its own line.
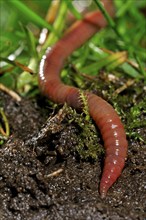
[136, 119]
[88, 138]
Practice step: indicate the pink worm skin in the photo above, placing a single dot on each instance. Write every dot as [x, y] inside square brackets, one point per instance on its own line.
[103, 114]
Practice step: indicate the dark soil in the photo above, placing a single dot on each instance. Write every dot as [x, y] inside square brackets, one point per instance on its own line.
[29, 192]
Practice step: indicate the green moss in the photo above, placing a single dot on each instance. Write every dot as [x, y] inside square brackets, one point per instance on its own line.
[136, 120]
[88, 140]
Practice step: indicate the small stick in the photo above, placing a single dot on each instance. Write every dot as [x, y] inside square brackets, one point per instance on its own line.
[5, 120]
[125, 86]
[10, 92]
[55, 173]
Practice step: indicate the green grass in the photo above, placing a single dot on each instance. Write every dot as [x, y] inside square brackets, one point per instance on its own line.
[22, 21]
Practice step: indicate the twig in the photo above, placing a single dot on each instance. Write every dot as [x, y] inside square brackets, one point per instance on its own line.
[55, 173]
[125, 86]
[5, 133]
[10, 92]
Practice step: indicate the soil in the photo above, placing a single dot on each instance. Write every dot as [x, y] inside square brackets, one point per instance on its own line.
[44, 179]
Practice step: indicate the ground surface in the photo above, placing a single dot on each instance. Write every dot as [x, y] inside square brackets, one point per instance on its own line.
[29, 192]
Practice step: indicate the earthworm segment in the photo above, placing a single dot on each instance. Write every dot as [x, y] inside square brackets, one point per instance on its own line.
[103, 114]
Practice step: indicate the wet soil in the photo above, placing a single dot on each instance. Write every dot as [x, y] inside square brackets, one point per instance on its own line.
[45, 180]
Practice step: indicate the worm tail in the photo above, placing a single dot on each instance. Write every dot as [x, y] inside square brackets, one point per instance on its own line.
[114, 137]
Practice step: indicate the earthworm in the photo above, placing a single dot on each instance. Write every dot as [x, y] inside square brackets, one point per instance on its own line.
[103, 114]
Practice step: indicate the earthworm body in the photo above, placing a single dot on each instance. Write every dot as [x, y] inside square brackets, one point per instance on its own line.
[103, 114]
